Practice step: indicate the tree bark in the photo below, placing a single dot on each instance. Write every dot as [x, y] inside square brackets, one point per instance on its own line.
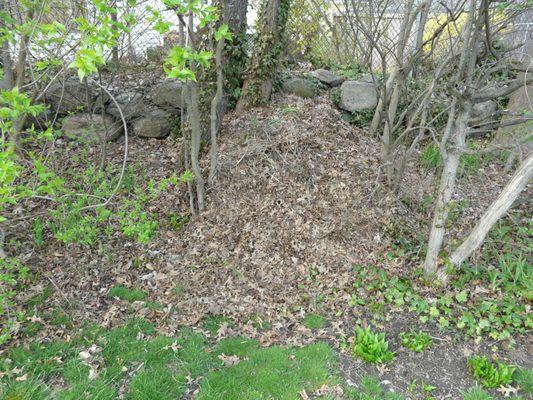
[446, 189]
[268, 46]
[496, 210]
[7, 62]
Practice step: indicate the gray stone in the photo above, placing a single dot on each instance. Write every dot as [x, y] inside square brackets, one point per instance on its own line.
[327, 77]
[300, 87]
[358, 96]
[70, 96]
[167, 94]
[154, 124]
[131, 104]
[91, 128]
[484, 111]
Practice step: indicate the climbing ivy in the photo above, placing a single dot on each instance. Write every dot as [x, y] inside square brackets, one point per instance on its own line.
[268, 45]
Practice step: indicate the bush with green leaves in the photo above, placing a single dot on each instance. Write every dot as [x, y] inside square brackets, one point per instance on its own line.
[491, 374]
[416, 341]
[371, 347]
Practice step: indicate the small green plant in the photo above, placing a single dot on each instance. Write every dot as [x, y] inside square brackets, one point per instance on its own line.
[371, 347]
[416, 341]
[430, 157]
[489, 374]
[314, 321]
[124, 293]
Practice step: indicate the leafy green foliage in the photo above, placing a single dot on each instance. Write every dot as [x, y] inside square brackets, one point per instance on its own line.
[489, 374]
[127, 294]
[500, 312]
[416, 341]
[371, 347]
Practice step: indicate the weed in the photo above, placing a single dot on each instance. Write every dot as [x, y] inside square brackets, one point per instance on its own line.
[489, 374]
[431, 157]
[416, 341]
[371, 347]
[124, 293]
[314, 321]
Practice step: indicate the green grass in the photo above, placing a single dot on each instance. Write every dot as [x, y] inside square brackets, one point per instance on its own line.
[430, 157]
[213, 323]
[156, 367]
[124, 293]
[371, 390]
[523, 377]
[314, 321]
[272, 373]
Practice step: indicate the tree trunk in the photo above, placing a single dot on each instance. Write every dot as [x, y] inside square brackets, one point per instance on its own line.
[7, 62]
[496, 210]
[268, 46]
[446, 189]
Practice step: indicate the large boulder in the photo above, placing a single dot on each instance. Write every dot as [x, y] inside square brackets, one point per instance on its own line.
[92, 128]
[300, 87]
[154, 124]
[132, 105]
[358, 96]
[167, 94]
[327, 77]
[70, 96]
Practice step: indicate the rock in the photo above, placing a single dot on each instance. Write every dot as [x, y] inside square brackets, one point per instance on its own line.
[132, 105]
[484, 111]
[91, 128]
[155, 124]
[357, 96]
[327, 77]
[167, 94]
[300, 87]
[70, 96]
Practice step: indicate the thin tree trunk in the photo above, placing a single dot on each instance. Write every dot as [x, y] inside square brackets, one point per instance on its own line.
[215, 105]
[196, 136]
[446, 189]
[496, 210]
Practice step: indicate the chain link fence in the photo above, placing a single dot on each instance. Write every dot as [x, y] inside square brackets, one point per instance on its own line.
[367, 33]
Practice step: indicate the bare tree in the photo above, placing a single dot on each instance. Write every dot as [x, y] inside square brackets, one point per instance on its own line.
[473, 83]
